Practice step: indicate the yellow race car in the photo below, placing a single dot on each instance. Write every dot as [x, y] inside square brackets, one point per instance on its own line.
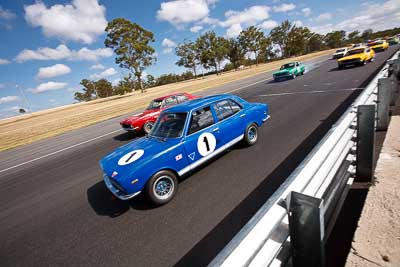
[357, 56]
[379, 45]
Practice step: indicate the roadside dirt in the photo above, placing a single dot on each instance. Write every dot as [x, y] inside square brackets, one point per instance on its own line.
[377, 238]
[39, 125]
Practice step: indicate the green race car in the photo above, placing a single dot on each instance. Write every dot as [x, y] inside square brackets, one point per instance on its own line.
[289, 70]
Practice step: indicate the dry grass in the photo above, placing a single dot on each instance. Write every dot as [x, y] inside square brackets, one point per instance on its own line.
[39, 125]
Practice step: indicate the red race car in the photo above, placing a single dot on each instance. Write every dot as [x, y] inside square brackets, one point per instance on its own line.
[144, 121]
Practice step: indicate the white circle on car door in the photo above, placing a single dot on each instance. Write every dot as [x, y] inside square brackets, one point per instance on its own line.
[206, 144]
[131, 157]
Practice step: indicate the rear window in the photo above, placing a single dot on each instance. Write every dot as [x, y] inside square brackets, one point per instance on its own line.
[201, 118]
[226, 108]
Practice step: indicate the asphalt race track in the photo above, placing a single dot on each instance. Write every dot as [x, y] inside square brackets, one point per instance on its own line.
[56, 211]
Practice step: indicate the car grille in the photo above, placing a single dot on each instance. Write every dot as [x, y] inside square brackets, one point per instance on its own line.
[350, 61]
[126, 126]
[282, 74]
[116, 185]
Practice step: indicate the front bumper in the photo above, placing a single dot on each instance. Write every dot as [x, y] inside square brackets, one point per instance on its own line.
[266, 118]
[116, 192]
[129, 128]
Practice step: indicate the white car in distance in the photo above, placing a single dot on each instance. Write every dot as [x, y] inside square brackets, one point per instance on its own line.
[340, 53]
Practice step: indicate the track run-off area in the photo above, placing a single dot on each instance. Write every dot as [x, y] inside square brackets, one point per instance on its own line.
[56, 211]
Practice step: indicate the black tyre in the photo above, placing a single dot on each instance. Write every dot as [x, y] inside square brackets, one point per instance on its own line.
[293, 76]
[147, 127]
[251, 134]
[161, 188]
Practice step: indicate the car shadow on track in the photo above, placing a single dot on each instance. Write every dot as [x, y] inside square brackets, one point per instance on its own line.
[105, 204]
[127, 136]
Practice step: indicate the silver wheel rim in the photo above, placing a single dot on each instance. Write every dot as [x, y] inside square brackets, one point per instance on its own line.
[148, 126]
[252, 134]
[163, 187]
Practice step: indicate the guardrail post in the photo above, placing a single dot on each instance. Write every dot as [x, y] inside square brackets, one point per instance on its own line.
[365, 143]
[396, 68]
[306, 228]
[394, 90]
[383, 103]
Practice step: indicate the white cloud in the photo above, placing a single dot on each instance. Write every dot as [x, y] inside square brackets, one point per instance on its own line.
[6, 14]
[196, 28]
[116, 81]
[63, 52]
[49, 86]
[168, 45]
[377, 17]
[284, 7]
[2, 85]
[9, 99]
[233, 30]
[249, 16]
[306, 11]
[4, 61]
[268, 24]
[324, 17]
[104, 74]
[179, 12]
[97, 67]
[81, 20]
[13, 108]
[298, 23]
[53, 71]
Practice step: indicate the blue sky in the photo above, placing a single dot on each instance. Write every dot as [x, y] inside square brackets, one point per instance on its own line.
[47, 47]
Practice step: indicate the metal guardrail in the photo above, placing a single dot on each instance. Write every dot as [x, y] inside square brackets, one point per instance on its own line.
[307, 204]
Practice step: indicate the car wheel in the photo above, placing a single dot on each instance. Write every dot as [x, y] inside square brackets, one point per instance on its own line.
[148, 126]
[251, 134]
[161, 188]
[293, 76]
[364, 63]
[372, 59]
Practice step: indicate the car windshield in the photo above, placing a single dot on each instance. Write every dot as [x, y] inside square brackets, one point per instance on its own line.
[287, 66]
[340, 50]
[169, 125]
[355, 51]
[156, 103]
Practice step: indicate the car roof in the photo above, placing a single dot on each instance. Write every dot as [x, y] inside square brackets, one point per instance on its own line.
[358, 48]
[197, 103]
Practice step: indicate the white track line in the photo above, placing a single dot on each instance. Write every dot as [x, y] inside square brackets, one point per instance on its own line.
[313, 92]
[245, 86]
[269, 79]
[61, 150]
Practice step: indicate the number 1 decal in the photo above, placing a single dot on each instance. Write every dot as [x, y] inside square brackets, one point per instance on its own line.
[130, 157]
[206, 144]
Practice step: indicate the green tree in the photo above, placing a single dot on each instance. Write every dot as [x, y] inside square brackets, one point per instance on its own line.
[131, 44]
[103, 88]
[315, 43]
[335, 39]
[354, 37]
[280, 36]
[367, 34]
[251, 39]
[207, 45]
[235, 53]
[187, 53]
[89, 91]
[150, 81]
[298, 38]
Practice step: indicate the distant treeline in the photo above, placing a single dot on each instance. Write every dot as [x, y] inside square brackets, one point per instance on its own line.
[132, 46]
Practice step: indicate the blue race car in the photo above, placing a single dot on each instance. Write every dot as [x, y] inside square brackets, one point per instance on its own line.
[184, 137]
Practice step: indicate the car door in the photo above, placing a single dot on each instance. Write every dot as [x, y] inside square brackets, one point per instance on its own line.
[230, 119]
[202, 135]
